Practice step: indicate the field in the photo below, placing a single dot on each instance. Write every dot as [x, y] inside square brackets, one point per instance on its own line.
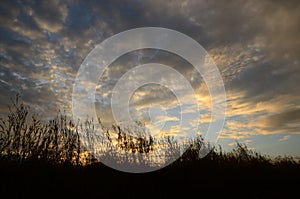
[45, 159]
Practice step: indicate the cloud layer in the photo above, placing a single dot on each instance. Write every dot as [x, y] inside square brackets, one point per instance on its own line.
[254, 43]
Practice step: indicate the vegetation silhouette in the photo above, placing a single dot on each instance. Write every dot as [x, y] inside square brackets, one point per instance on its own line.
[50, 159]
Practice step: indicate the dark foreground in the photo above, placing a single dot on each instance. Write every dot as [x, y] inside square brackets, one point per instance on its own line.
[31, 154]
[201, 178]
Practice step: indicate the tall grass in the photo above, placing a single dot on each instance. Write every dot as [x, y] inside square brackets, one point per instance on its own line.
[71, 152]
[60, 141]
[23, 138]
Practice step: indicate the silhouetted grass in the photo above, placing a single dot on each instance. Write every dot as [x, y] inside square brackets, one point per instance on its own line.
[23, 138]
[50, 158]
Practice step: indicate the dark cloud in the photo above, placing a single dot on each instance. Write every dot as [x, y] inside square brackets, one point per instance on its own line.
[12, 38]
[26, 20]
[266, 80]
[285, 122]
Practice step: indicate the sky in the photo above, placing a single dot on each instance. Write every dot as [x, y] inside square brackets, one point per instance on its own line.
[255, 44]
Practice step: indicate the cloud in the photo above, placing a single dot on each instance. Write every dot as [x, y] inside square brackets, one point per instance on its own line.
[284, 122]
[50, 16]
[255, 45]
[237, 129]
[284, 138]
